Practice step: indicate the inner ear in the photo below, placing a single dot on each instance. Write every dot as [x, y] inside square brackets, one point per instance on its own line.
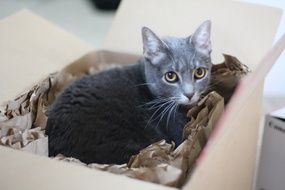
[154, 49]
[201, 38]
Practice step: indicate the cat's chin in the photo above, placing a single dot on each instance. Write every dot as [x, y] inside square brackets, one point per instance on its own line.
[187, 104]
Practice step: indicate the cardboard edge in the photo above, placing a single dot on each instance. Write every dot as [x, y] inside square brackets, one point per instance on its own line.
[29, 16]
[258, 75]
[258, 151]
[238, 99]
[100, 56]
[45, 175]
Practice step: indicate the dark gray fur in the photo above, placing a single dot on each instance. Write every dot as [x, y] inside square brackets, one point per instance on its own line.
[110, 116]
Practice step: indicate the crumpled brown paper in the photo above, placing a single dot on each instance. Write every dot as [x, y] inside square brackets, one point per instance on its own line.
[23, 121]
[161, 162]
[225, 76]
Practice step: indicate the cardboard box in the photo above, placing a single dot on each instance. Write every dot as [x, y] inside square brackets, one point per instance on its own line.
[271, 167]
[240, 29]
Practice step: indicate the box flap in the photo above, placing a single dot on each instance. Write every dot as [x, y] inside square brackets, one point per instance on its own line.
[229, 159]
[20, 175]
[31, 48]
[237, 140]
[240, 29]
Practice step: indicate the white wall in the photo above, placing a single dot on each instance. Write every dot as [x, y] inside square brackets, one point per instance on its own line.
[275, 81]
[92, 25]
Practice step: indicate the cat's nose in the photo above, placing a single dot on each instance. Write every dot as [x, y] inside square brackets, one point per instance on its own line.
[189, 95]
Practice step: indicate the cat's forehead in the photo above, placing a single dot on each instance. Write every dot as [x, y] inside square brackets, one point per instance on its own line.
[179, 47]
[184, 53]
[176, 44]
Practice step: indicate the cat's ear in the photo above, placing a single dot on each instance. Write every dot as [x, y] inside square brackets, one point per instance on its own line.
[201, 38]
[153, 47]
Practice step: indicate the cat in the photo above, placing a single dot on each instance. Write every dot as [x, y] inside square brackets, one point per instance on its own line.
[109, 116]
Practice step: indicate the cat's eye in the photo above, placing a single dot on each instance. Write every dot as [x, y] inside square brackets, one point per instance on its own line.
[200, 73]
[171, 77]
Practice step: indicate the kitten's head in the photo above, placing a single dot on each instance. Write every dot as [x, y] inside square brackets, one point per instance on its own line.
[178, 68]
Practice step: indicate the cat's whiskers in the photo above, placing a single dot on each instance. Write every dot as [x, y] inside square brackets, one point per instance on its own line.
[143, 84]
[169, 106]
[166, 99]
[175, 110]
[164, 112]
[153, 105]
[156, 111]
[173, 107]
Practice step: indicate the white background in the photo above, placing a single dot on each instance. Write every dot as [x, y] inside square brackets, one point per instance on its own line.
[91, 25]
[275, 81]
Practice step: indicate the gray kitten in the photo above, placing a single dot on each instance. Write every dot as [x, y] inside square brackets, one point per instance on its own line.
[112, 115]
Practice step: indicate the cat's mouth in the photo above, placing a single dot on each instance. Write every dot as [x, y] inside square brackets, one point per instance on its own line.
[188, 100]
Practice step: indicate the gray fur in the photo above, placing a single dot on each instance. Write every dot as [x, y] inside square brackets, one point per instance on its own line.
[181, 55]
[112, 115]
